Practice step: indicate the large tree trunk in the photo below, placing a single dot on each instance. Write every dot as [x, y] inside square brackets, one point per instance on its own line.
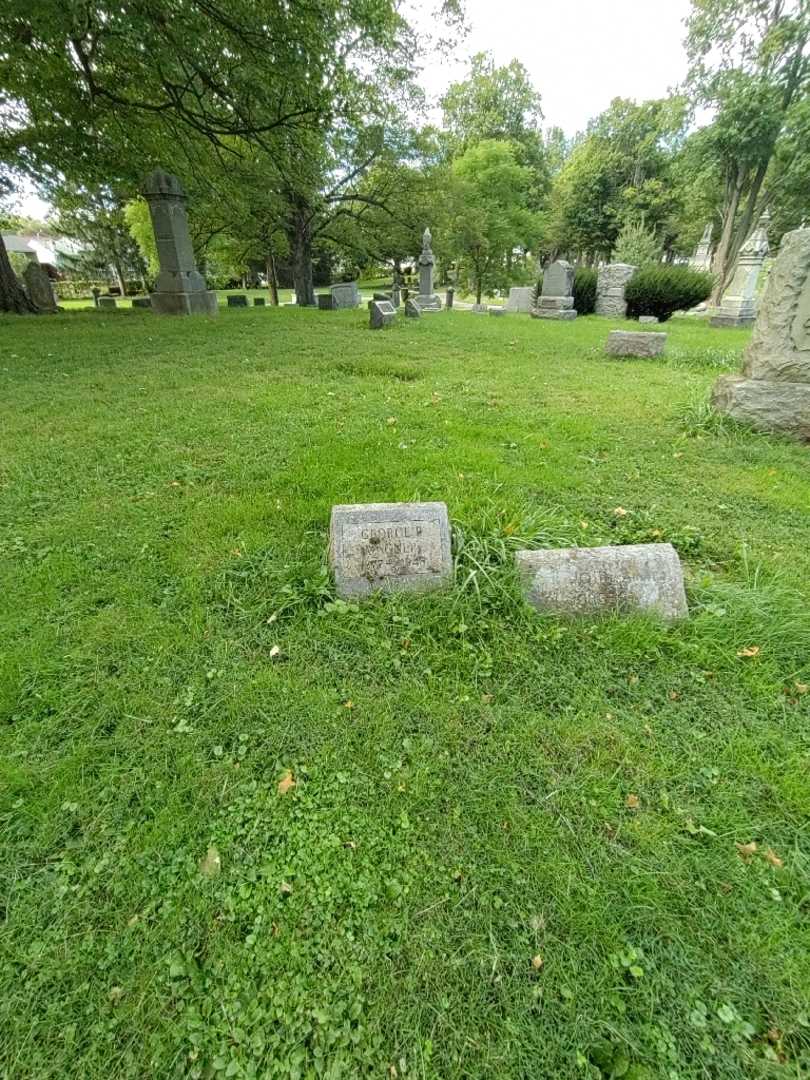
[13, 296]
[722, 254]
[301, 246]
[272, 278]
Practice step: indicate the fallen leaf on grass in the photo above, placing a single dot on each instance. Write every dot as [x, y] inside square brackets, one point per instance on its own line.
[537, 962]
[749, 650]
[286, 783]
[801, 687]
[632, 802]
[348, 704]
[773, 858]
[285, 888]
[746, 851]
[620, 511]
[391, 421]
[211, 865]
[275, 651]
[115, 994]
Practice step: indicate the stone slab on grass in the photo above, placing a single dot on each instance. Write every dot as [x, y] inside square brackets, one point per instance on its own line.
[635, 343]
[643, 578]
[765, 404]
[390, 547]
[381, 313]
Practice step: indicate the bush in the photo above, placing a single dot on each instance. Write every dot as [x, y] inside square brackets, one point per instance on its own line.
[661, 290]
[585, 291]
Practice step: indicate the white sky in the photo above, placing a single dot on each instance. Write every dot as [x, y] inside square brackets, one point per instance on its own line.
[580, 54]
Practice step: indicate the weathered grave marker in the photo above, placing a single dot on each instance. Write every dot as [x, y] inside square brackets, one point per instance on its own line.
[390, 546]
[107, 303]
[586, 581]
[611, 283]
[739, 303]
[635, 343]
[412, 310]
[381, 313]
[520, 299]
[773, 391]
[141, 302]
[428, 299]
[237, 301]
[259, 301]
[556, 300]
[345, 295]
[39, 287]
[326, 302]
[180, 288]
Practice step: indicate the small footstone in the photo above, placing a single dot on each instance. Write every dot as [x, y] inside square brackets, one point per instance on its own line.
[390, 546]
[635, 343]
[648, 319]
[412, 310]
[494, 310]
[586, 581]
[259, 301]
[381, 313]
[326, 302]
[107, 303]
[237, 301]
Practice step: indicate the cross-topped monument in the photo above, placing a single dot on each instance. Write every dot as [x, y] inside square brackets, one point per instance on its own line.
[427, 299]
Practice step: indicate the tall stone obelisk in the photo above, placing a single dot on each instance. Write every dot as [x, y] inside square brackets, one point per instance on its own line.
[739, 303]
[427, 299]
[180, 287]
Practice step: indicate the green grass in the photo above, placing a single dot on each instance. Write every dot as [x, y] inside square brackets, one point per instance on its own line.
[462, 765]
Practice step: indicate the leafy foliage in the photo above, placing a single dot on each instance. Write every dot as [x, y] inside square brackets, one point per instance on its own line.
[663, 290]
[637, 245]
[585, 280]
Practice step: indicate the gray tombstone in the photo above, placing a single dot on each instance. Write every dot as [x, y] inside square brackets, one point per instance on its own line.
[346, 295]
[635, 343]
[141, 302]
[390, 546]
[739, 304]
[450, 296]
[773, 391]
[702, 258]
[39, 288]
[326, 302]
[240, 300]
[259, 301]
[648, 319]
[180, 288]
[611, 283]
[556, 300]
[428, 299]
[107, 303]
[381, 313]
[496, 309]
[96, 294]
[479, 309]
[520, 299]
[587, 581]
[412, 310]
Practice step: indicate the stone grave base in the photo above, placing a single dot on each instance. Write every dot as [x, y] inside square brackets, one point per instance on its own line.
[553, 313]
[196, 303]
[782, 407]
[430, 303]
[731, 320]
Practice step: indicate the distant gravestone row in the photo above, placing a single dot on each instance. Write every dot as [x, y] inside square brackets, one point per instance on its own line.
[386, 547]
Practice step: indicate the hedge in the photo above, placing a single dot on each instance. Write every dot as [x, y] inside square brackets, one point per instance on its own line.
[662, 290]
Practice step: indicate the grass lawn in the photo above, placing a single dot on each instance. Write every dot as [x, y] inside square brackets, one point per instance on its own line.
[511, 845]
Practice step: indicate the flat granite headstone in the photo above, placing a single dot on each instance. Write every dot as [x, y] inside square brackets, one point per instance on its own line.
[39, 287]
[141, 302]
[107, 303]
[648, 319]
[390, 547]
[479, 309]
[346, 295]
[412, 310]
[773, 391]
[381, 313]
[326, 302]
[259, 301]
[520, 299]
[556, 300]
[449, 296]
[587, 581]
[237, 301]
[635, 343]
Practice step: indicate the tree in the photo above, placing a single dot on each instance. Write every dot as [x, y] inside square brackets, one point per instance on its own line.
[96, 217]
[93, 91]
[750, 64]
[13, 297]
[491, 215]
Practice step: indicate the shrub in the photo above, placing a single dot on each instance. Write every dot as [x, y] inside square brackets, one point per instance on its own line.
[585, 291]
[636, 245]
[661, 290]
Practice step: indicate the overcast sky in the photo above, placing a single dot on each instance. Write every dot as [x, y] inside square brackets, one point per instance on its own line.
[580, 54]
